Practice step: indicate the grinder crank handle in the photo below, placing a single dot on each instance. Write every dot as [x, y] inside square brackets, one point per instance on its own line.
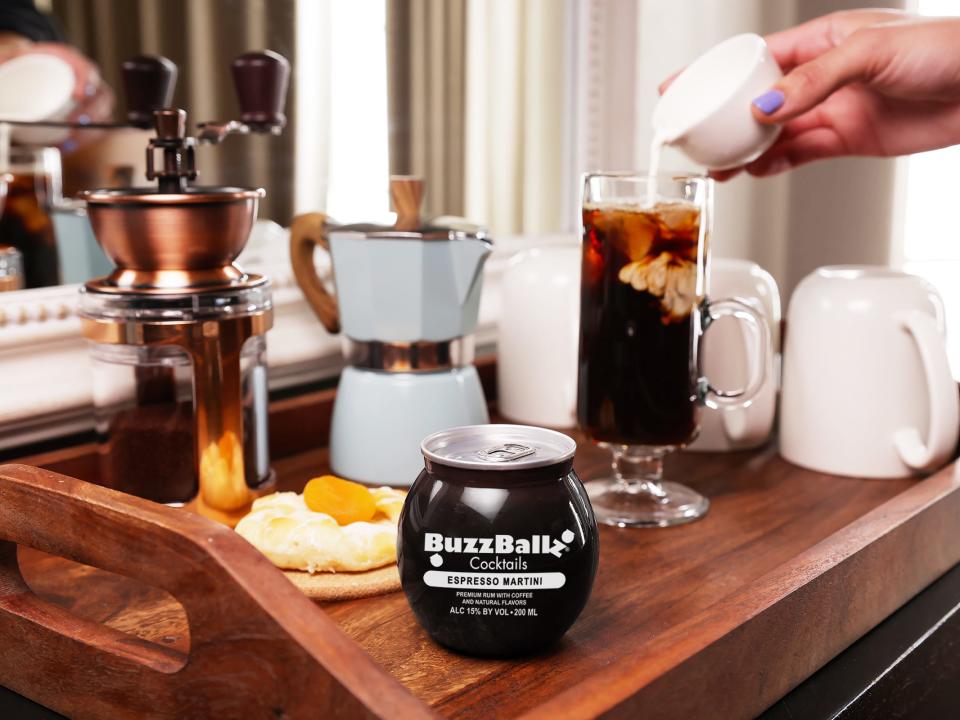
[148, 83]
[261, 80]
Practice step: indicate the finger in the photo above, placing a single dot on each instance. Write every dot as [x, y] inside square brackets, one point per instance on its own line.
[813, 120]
[12, 44]
[724, 175]
[803, 43]
[88, 84]
[662, 88]
[809, 84]
[95, 108]
[808, 121]
[816, 144]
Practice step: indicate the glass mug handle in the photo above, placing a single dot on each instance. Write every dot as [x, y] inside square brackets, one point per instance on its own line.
[711, 310]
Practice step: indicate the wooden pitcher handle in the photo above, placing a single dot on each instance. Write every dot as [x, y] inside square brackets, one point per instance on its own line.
[258, 647]
[306, 232]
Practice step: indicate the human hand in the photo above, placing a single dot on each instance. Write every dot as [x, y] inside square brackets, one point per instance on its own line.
[863, 82]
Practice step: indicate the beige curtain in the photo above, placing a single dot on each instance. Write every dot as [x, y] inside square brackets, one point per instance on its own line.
[517, 120]
[426, 64]
[477, 91]
[201, 37]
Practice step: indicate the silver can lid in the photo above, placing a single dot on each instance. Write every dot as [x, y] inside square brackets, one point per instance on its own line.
[498, 447]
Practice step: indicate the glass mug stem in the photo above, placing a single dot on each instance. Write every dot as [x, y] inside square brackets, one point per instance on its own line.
[636, 495]
[639, 469]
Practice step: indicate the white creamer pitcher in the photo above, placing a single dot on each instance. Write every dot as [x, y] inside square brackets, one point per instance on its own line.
[706, 112]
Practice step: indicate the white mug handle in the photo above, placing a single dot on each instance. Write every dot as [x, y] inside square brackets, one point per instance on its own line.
[941, 393]
[740, 309]
[739, 423]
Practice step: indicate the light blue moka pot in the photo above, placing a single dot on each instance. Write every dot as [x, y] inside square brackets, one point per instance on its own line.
[407, 299]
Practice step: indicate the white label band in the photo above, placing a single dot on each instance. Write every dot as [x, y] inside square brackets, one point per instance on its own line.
[444, 579]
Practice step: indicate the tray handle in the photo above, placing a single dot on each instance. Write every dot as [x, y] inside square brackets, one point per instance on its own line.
[258, 647]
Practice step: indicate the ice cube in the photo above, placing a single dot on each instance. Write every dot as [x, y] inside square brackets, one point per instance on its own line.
[678, 217]
[633, 235]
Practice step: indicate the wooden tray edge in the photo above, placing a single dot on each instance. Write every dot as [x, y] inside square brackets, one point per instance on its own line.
[856, 578]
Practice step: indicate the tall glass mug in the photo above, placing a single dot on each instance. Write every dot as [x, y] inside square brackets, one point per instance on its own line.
[643, 310]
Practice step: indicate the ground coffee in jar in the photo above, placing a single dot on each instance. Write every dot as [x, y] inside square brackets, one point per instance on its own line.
[498, 545]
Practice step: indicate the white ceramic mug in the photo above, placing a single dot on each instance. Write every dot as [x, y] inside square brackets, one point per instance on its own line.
[727, 359]
[867, 387]
[538, 336]
[706, 112]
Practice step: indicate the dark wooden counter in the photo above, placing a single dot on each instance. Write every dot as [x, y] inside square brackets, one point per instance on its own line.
[719, 618]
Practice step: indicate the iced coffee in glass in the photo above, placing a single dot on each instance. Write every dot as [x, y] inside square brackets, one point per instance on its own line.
[643, 310]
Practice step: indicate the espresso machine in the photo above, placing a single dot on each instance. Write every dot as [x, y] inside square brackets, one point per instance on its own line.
[177, 330]
[407, 298]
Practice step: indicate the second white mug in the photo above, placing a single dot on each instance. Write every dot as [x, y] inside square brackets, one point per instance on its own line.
[537, 344]
[726, 358]
[867, 387]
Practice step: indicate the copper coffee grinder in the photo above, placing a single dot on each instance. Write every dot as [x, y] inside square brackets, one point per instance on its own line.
[177, 330]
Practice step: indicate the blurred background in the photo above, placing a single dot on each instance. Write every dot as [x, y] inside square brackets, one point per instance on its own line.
[501, 105]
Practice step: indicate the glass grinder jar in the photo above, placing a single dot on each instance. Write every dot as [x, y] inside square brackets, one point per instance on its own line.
[180, 391]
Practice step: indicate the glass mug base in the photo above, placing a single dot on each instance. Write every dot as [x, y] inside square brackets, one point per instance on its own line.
[642, 504]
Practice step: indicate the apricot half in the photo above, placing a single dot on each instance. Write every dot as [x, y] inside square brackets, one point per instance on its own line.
[343, 500]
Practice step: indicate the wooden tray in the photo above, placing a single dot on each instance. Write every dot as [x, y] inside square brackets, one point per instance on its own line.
[719, 618]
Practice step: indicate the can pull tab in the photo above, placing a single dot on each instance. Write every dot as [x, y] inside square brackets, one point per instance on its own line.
[505, 453]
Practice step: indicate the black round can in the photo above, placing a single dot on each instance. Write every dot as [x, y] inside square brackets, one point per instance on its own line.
[498, 545]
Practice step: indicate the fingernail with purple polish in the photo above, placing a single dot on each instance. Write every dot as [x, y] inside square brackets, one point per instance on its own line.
[769, 102]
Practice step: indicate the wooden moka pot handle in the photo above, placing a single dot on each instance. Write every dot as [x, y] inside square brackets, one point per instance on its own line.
[306, 232]
[406, 193]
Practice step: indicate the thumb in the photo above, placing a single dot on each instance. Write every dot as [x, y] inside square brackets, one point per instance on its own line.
[809, 84]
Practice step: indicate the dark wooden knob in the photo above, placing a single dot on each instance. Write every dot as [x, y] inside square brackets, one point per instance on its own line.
[261, 80]
[170, 124]
[148, 82]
